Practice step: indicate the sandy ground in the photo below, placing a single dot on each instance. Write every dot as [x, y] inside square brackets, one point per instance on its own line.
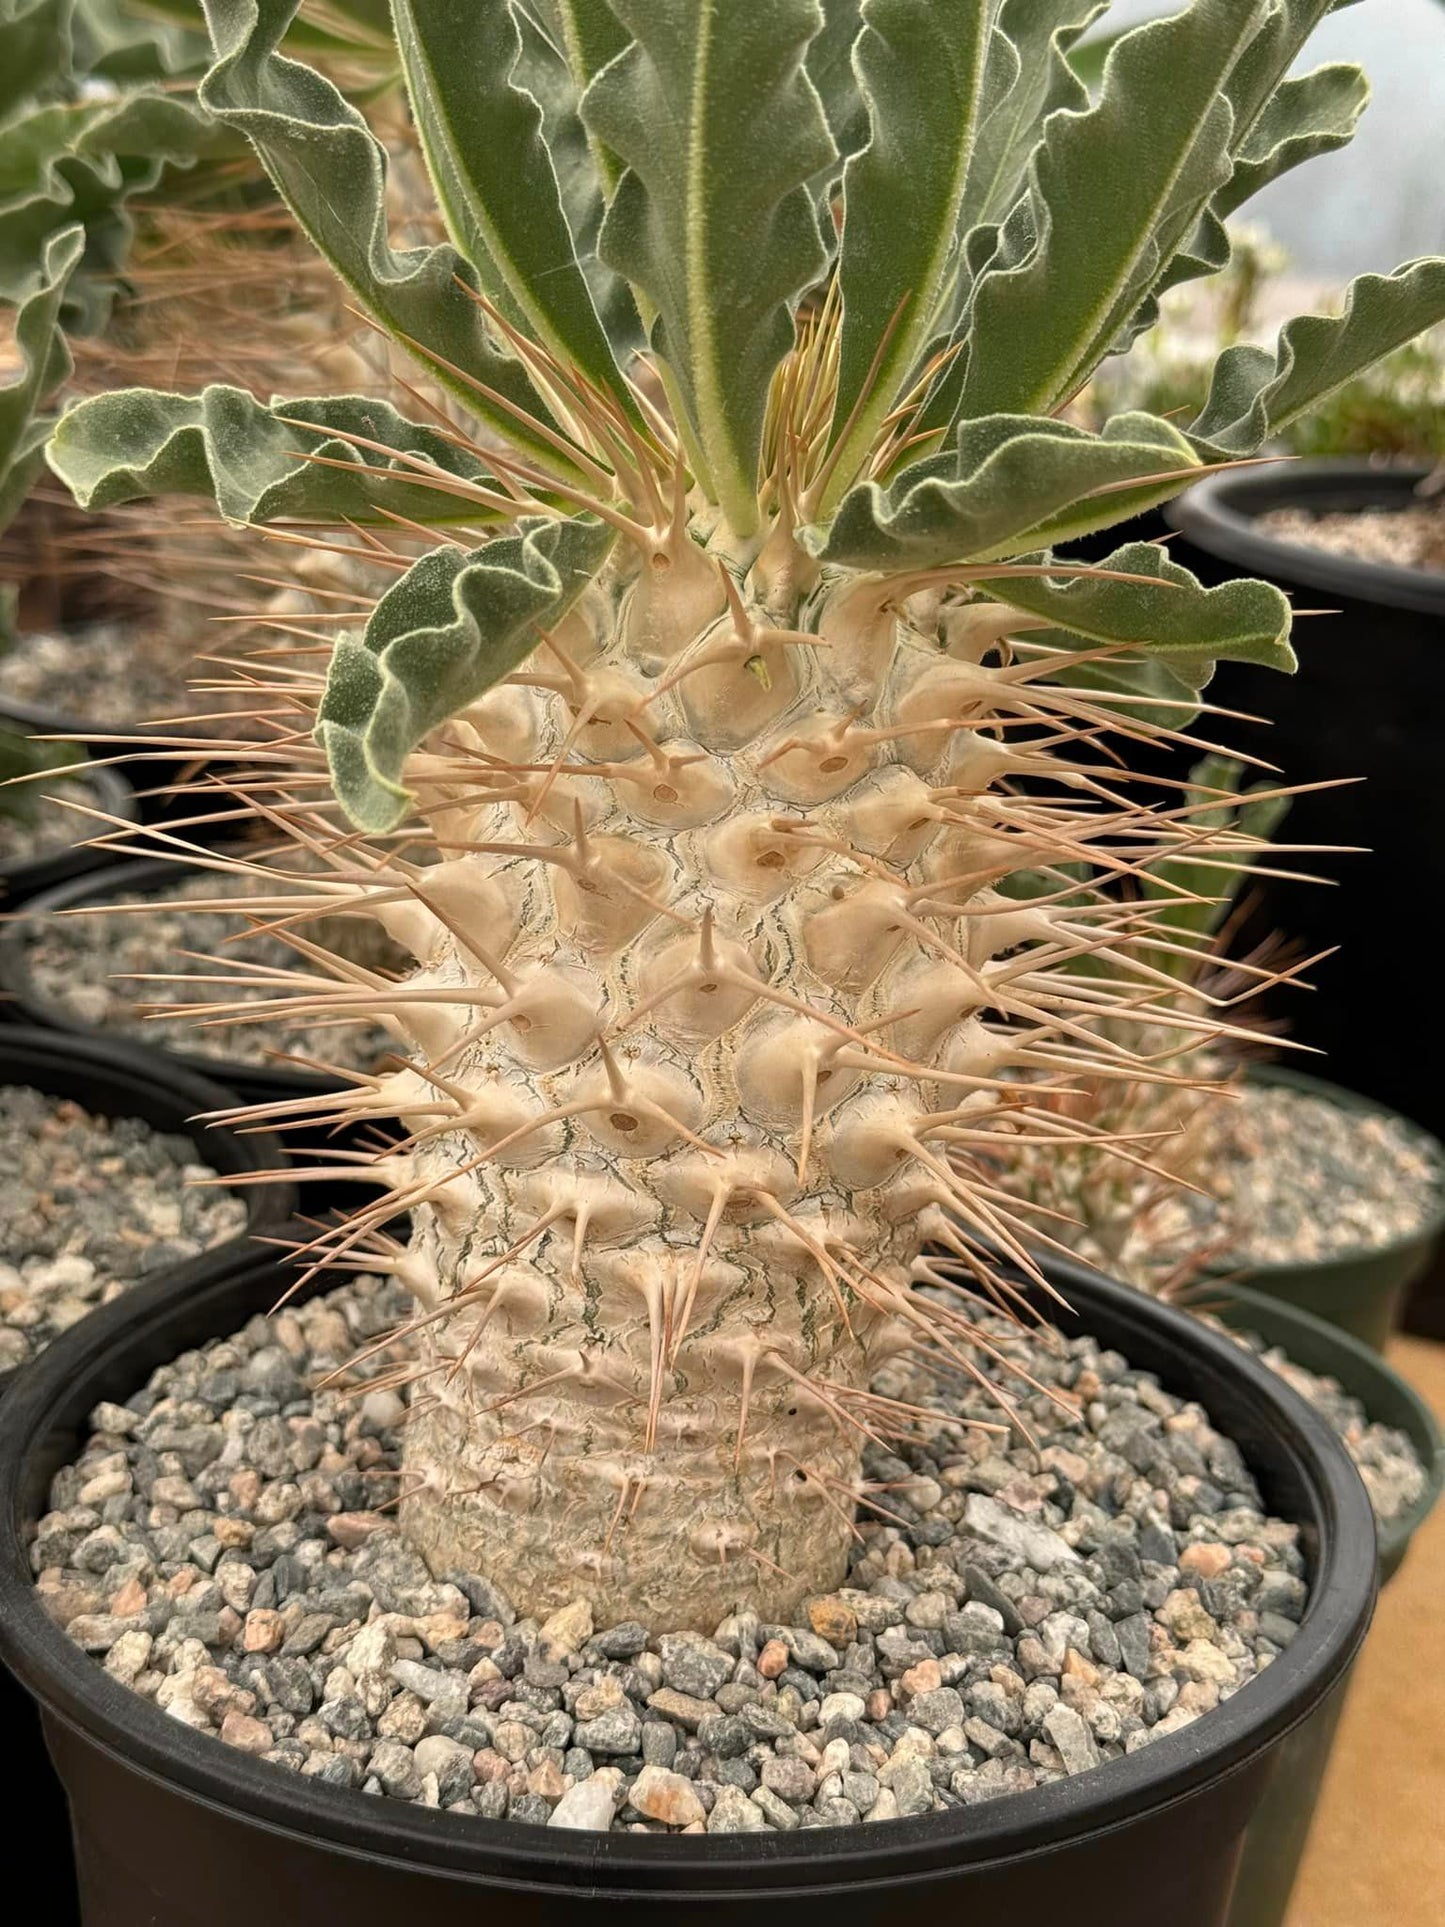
[1376, 1856]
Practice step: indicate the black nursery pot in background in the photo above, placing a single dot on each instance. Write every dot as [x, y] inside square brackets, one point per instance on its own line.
[115, 1081]
[22, 878]
[1279, 1833]
[261, 1083]
[1367, 703]
[1356, 1292]
[140, 877]
[159, 774]
[172, 1827]
[113, 1078]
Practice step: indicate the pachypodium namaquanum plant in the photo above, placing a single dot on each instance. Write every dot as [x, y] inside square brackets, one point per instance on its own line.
[756, 730]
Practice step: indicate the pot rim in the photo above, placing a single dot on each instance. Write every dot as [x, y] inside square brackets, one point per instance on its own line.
[115, 794]
[128, 873]
[42, 1416]
[1246, 1271]
[26, 1054]
[1214, 514]
[1426, 1434]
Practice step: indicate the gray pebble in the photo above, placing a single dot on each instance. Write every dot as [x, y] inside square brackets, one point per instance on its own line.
[616, 1731]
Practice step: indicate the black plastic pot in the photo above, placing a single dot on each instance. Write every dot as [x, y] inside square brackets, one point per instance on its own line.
[253, 1083]
[145, 757]
[316, 1148]
[172, 1827]
[1360, 1291]
[1365, 704]
[1279, 1832]
[116, 1081]
[1388, 1399]
[22, 878]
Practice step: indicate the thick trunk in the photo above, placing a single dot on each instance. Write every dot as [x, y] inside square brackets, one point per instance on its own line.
[533, 1458]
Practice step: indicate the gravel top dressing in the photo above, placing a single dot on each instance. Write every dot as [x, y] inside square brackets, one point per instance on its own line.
[95, 969]
[1295, 1178]
[118, 672]
[92, 1205]
[1409, 538]
[224, 1546]
[55, 826]
[1384, 1457]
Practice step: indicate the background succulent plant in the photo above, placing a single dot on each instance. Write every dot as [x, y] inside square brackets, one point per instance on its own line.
[91, 115]
[728, 748]
[37, 361]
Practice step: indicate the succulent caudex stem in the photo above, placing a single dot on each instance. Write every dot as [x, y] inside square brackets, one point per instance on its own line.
[740, 767]
[720, 992]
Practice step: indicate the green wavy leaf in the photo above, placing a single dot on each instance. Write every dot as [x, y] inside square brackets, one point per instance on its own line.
[331, 170]
[1163, 610]
[34, 48]
[83, 160]
[920, 66]
[44, 364]
[442, 636]
[1315, 114]
[1254, 393]
[547, 76]
[1010, 483]
[1029, 75]
[247, 456]
[713, 220]
[591, 36]
[482, 135]
[831, 70]
[1114, 192]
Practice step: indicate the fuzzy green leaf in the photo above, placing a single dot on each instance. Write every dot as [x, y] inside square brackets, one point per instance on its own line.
[442, 636]
[1113, 192]
[34, 48]
[1278, 123]
[1284, 30]
[482, 135]
[331, 170]
[247, 456]
[545, 74]
[720, 130]
[1010, 483]
[1313, 115]
[1164, 610]
[117, 40]
[1254, 393]
[920, 66]
[44, 365]
[149, 128]
[831, 70]
[360, 29]
[1028, 76]
[590, 35]
[67, 161]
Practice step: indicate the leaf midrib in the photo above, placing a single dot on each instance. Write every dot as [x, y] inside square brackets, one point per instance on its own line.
[711, 405]
[1117, 293]
[1052, 389]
